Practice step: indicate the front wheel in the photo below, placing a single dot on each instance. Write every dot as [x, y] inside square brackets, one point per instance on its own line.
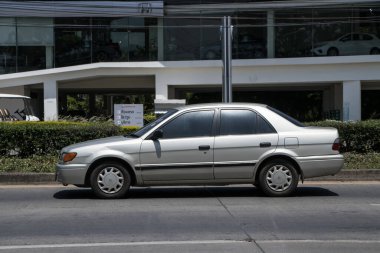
[278, 178]
[110, 181]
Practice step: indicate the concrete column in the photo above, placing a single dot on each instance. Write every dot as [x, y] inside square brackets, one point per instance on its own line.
[50, 100]
[160, 39]
[49, 57]
[270, 34]
[351, 100]
[162, 92]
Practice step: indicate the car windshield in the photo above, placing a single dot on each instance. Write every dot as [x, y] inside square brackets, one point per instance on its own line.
[287, 117]
[151, 125]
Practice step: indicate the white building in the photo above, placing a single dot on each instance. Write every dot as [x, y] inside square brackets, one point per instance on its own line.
[308, 59]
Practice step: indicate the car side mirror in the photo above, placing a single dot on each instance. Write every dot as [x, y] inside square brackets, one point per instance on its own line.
[157, 134]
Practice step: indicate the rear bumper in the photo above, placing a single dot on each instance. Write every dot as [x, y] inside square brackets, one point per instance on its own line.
[317, 166]
[71, 173]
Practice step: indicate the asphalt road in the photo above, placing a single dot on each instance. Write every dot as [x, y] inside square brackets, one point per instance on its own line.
[331, 217]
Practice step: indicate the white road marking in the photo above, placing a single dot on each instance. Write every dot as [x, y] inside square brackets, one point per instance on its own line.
[375, 204]
[152, 243]
[317, 241]
[80, 245]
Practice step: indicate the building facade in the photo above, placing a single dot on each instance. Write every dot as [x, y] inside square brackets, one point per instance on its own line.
[311, 59]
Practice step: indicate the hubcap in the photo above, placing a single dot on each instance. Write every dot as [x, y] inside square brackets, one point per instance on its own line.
[110, 180]
[279, 178]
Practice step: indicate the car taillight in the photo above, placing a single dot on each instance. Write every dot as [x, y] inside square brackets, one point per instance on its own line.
[336, 144]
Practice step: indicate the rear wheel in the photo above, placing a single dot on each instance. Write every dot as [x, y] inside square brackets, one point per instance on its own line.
[278, 178]
[110, 181]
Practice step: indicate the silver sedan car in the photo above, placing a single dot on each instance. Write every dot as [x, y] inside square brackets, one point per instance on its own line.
[204, 145]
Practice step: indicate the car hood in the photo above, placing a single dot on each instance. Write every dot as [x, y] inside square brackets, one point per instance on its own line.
[102, 141]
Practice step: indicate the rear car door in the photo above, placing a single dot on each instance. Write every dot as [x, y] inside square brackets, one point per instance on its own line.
[185, 152]
[244, 136]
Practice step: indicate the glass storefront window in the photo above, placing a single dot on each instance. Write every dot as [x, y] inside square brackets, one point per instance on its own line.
[250, 36]
[35, 42]
[7, 45]
[7, 59]
[329, 38]
[293, 33]
[182, 38]
[72, 41]
[107, 39]
[31, 58]
[210, 39]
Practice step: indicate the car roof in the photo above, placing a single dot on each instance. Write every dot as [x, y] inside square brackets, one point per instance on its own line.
[218, 105]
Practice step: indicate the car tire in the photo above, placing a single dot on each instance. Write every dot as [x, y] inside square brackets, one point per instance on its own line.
[375, 51]
[278, 178]
[333, 52]
[110, 180]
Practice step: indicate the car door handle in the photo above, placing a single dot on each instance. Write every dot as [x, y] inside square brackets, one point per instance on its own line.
[204, 147]
[265, 144]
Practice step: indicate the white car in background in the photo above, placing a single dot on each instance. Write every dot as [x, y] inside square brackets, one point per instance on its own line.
[349, 44]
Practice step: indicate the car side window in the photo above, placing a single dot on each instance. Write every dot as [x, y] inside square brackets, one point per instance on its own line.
[237, 122]
[190, 124]
[263, 127]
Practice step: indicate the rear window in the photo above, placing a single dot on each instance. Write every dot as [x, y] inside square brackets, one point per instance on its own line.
[287, 117]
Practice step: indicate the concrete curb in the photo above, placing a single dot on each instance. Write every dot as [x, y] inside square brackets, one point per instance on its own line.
[48, 178]
[27, 178]
[351, 175]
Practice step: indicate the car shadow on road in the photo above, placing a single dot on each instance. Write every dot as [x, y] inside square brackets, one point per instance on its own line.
[195, 192]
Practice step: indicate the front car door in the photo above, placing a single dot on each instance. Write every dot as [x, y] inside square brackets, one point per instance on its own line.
[243, 138]
[185, 152]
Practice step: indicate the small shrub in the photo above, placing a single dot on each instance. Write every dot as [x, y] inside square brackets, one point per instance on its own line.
[360, 137]
[26, 139]
[37, 164]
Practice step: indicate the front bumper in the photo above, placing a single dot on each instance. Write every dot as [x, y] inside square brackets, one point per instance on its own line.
[71, 173]
[317, 166]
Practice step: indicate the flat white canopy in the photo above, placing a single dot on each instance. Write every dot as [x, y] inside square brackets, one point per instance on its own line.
[2, 95]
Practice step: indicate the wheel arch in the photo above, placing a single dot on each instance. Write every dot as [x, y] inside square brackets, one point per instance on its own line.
[262, 163]
[110, 159]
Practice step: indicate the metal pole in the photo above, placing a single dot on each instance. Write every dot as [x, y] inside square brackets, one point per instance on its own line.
[226, 30]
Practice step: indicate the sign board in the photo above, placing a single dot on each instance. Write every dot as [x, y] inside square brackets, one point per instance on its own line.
[129, 115]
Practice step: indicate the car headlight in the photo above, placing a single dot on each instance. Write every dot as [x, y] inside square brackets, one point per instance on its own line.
[67, 157]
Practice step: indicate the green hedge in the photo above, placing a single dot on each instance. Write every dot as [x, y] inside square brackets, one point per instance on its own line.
[360, 137]
[36, 164]
[25, 139]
